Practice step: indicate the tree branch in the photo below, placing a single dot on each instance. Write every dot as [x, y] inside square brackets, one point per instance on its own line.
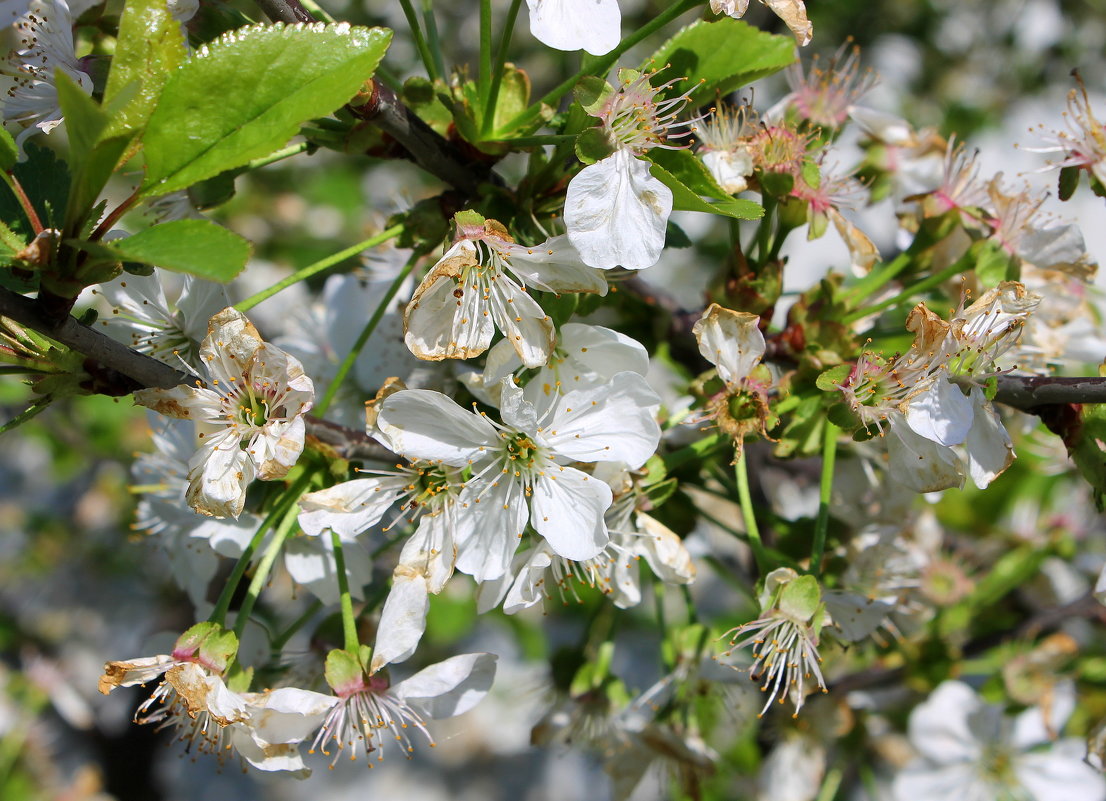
[117, 370]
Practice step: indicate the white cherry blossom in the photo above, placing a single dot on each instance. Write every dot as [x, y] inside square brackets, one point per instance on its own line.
[479, 285]
[249, 420]
[970, 750]
[520, 469]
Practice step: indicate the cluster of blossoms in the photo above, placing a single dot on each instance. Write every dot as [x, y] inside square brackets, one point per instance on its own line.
[477, 427]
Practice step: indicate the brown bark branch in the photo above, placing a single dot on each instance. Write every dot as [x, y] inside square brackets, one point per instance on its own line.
[117, 370]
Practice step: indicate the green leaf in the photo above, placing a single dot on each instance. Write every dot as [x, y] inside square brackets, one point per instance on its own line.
[9, 153]
[685, 199]
[592, 145]
[724, 54]
[690, 171]
[45, 179]
[94, 150]
[245, 94]
[149, 47]
[197, 247]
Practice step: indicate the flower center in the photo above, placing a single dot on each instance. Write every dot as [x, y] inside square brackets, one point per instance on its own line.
[253, 411]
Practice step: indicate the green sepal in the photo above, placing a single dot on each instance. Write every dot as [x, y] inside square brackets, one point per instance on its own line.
[593, 145]
[218, 649]
[800, 598]
[592, 94]
[1068, 182]
[343, 670]
[993, 264]
[238, 678]
[829, 380]
[777, 184]
[842, 416]
[468, 223]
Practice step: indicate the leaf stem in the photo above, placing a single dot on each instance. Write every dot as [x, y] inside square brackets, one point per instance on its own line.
[265, 566]
[349, 622]
[366, 332]
[604, 63]
[318, 267]
[485, 77]
[741, 474]
[420, 40]
[280, 155]
[432, 35]
[500, 61]
[821, 524]
[219, 613]
[24, 201]
[965, 262]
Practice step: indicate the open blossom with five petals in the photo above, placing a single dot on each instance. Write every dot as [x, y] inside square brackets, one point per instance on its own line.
[249, 420]
[520, 469]
[616, 210]
[479, 285]
[792, 12]
[594, 26]
[970, 750]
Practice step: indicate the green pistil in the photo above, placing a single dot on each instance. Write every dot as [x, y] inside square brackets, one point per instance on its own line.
[430, 484]
[253, 411]
[521, 448]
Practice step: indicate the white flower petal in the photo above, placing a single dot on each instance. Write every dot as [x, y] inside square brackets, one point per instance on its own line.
[523, 322]
[350, 508]
[988, 446]
[613, 422]
[730, 340]
[218, 476]
[940, 726]
[591, 25]
[554, 266]
[942, 413]
[920, 463]
[496, 522]
[1060, 774]
[616, 213]
[449, 688]
[403, 619]
[423, 424]
[445, 319]
[568, 507]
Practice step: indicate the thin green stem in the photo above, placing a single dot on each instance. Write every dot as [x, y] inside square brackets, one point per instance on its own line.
[821, 524]
[420, 40]
[265, 566]
[500, 61]
[219, 613]
[830, 784]
[878, 277]
[318, 267]
[432, 37]
[485, 77]
[741, 473]
[280, 155]
[277, 644]
[960, 265]
[366, 332]
[603, 64]
[349, 622]
[24, 201]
